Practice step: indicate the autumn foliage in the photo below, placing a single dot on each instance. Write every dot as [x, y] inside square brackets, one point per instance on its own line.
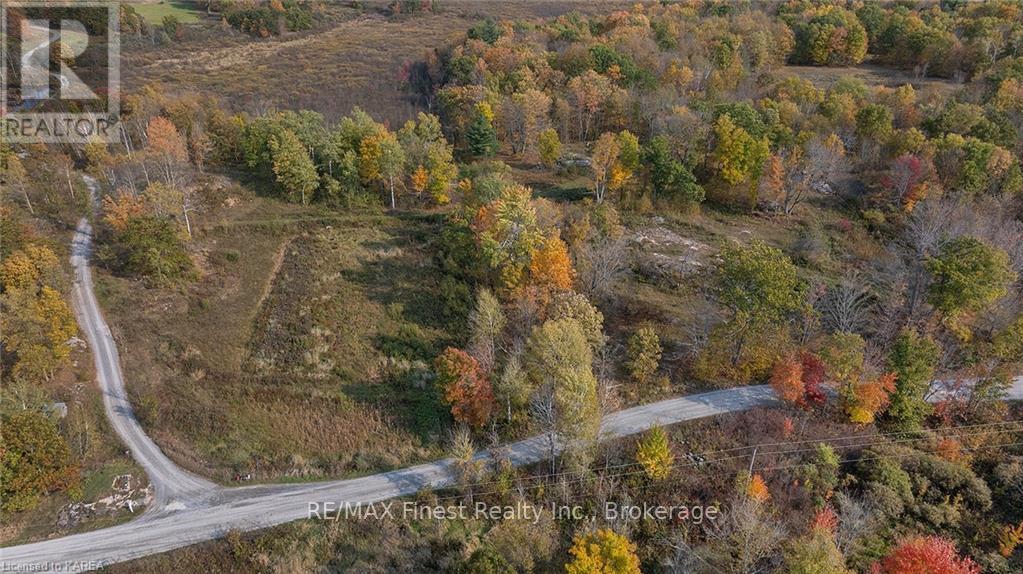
[603, 551]
[757, 489]
[868, 398]
[465, 387]
[118, 212]
[925, 555]
[550, 266]
[825, 519]
[797, 379]
[787, 380]
[654, 454]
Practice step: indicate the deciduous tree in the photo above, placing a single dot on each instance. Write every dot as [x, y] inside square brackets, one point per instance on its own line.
[293, 167]
[605, 157]
[967, 275]
[815, 553]
[559, 363]
[465, 387]
[36, 326]
[602, 552]
[670, 177]
[549, 146]
[738, 155]
[759, 286]
[34, 460]
[168, 146]
[644, 354]
[550, 267]
[486, 322]
[927, 555]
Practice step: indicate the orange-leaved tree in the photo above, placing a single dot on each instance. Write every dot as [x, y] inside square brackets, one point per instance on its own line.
[869, 398]
[787, 380]
[167, 145]
[465, 387]
[550, 266]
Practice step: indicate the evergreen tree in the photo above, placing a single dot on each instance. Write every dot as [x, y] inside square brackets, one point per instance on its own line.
[482, 137]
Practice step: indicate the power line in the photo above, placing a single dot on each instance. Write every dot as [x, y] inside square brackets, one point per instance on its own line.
[681, 464]
[707, 472]
[872, 436]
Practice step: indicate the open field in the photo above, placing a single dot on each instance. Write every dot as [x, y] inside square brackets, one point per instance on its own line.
[355, 62]
[155, 12]
[872, 75]
[301, 350]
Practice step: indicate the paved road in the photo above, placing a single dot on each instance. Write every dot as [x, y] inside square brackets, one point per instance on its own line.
[190, 509]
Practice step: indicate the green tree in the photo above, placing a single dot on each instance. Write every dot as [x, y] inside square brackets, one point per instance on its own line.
[292, 166]
[644, 354]
[427, 150]
[512, 389]
[485, 560]
[669, 176]
[759, 286]
[572, 305]
[149, 246]
[820, 476]
[815, 553]
[560, 365]
[968, 275]
[654, 454]
[913, 359]
[629, 151]
[34, 460]
[919, 490]
[486, 322]
[481, 136]
[508, 235]
[834, 36]
[549, 146]
[392, 164]
[873, 121]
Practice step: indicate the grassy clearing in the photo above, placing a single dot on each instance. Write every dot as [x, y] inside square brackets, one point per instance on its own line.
[353, 62]
[155, 12]
[300, 352]
[872, 75]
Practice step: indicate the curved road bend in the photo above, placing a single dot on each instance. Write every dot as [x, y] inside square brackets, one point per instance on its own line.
[207, 511]
[173, 487]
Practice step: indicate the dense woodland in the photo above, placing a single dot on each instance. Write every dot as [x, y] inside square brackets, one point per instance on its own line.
[860, 239]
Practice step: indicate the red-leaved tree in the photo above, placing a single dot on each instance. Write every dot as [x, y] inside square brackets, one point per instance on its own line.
[813, 377]
[465, 387]
[797, 379]
[925, 555]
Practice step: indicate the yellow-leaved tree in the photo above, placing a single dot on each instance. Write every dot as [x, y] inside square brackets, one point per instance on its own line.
[654, 454]
[603, 552]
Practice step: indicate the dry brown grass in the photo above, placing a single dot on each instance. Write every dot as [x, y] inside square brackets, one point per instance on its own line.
[290, 355]
[354, 61]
